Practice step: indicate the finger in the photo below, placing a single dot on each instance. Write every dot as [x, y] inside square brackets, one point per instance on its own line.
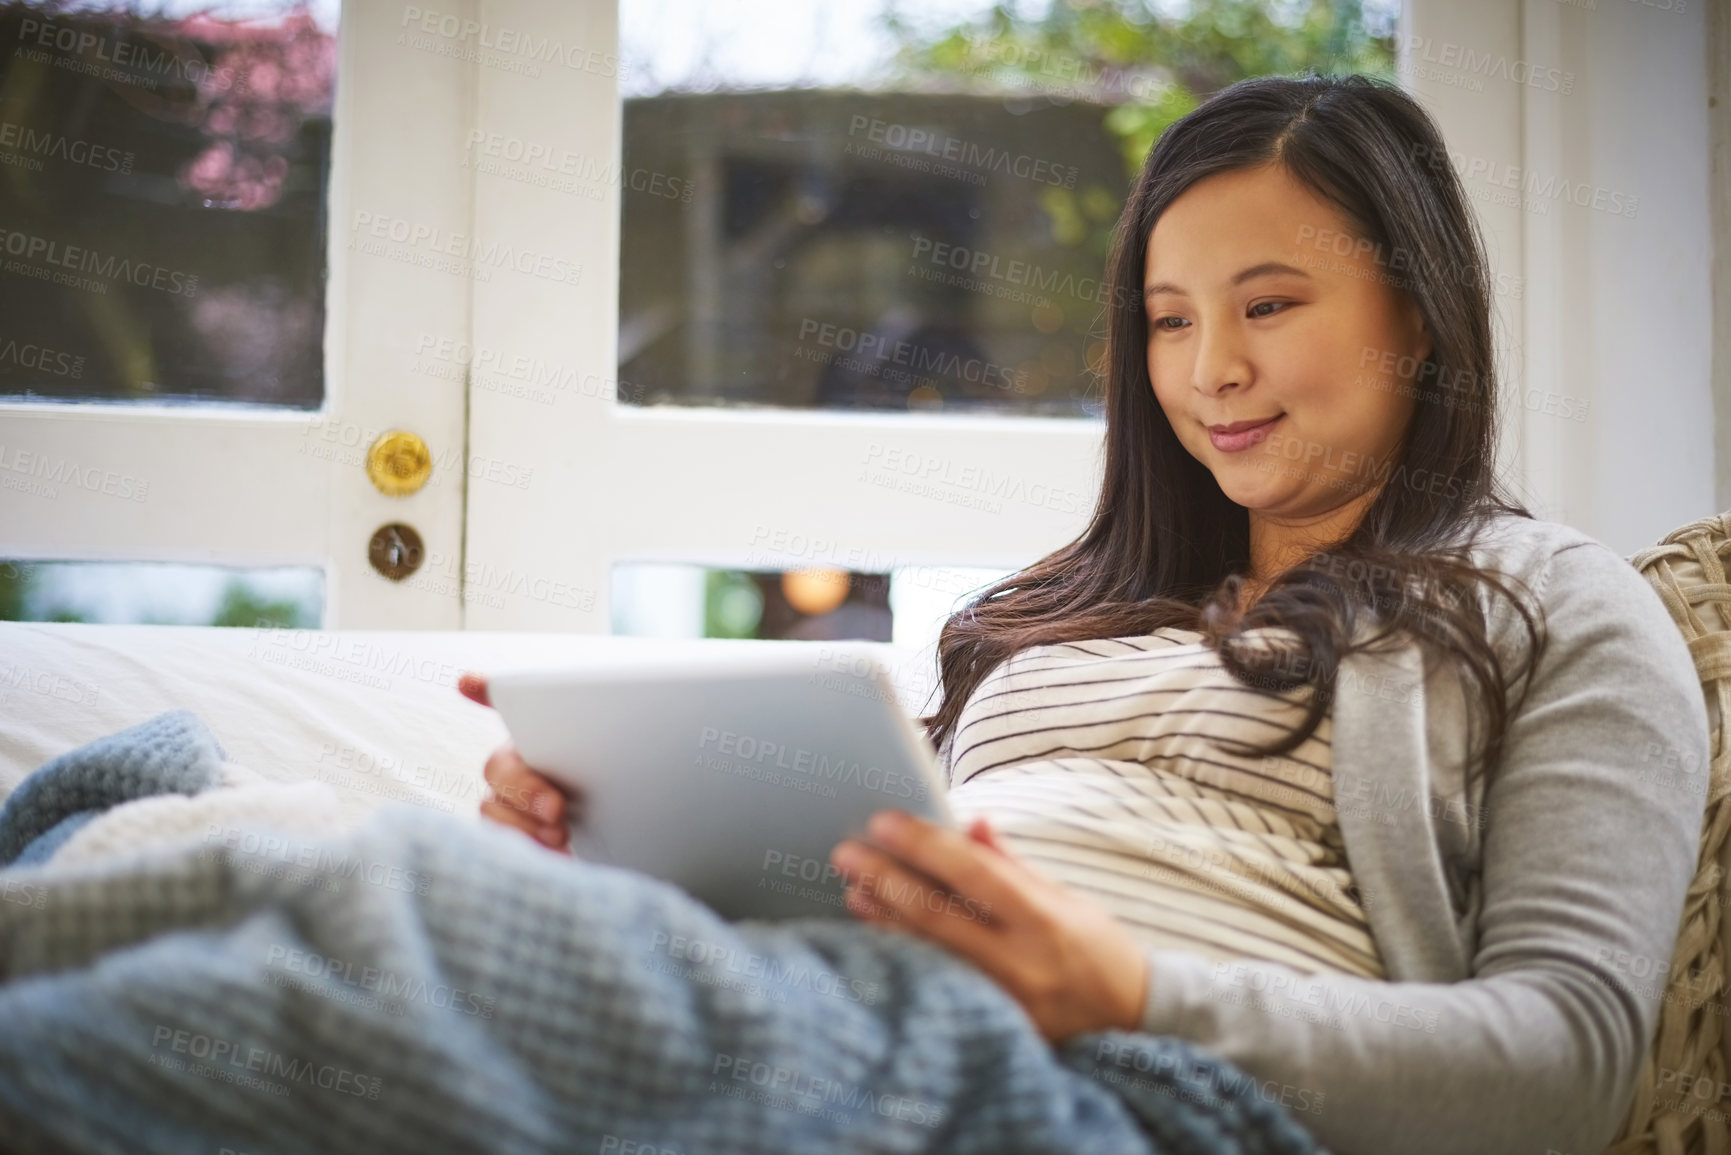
[956, 920]
[556, 837]
[520, 788]
[868, 909]
[496, 811]
[506, 765]
[474, 687]
[954, 861]
[981, 831]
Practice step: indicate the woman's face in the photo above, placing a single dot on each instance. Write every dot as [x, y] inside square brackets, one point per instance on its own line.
[1262, 307]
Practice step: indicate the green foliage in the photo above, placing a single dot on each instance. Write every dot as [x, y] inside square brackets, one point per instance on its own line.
[1138, 126]
[24, 582]
[1082, 217]
[241, 606]
[732, 605]
[1149, 65]
[14, 580]
[18, 580]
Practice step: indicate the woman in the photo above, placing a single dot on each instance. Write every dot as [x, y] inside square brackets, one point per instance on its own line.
[1314, 748]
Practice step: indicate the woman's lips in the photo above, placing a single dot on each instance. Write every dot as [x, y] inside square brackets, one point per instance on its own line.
[1242, 438]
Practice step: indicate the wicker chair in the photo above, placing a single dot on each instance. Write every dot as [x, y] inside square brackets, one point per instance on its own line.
[1675, 1111]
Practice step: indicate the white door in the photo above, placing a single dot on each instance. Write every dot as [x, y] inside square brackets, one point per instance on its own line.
[754, 488]
[239, 484]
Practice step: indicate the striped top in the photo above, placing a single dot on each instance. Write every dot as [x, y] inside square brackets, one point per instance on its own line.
[1094, 761]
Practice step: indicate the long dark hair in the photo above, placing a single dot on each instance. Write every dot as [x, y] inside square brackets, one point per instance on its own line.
[1167, 548]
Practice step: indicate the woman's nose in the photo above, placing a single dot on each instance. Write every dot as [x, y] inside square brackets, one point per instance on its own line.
[1220, 363]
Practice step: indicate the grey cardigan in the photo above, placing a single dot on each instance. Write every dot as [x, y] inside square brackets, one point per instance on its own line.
[1525, 933]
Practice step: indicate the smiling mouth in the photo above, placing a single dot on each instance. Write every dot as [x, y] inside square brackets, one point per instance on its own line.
[1241, 426]
[1241, 435]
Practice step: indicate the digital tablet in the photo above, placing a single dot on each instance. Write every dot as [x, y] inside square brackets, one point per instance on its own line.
[732, 775]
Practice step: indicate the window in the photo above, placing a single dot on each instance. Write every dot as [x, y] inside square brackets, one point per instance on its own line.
[860, 292]
[166, 185]
[841, 206]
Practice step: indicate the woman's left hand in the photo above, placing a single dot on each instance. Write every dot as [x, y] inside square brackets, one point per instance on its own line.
[1071, 964]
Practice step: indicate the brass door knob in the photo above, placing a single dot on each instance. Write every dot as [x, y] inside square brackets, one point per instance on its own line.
[396, 550]
[399, 463]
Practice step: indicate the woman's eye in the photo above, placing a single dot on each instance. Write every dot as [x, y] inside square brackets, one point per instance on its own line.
[1270, 306]
[1177, 323]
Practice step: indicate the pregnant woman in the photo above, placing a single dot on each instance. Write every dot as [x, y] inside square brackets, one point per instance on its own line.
[1315, 748]
[1311, 794]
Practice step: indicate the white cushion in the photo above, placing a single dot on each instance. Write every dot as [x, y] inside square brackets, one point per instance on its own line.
[375, 714]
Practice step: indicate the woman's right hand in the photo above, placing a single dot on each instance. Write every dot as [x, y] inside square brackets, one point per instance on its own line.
[521, 796]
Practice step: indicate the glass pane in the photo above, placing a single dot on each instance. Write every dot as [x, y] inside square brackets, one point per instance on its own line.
[163, 166]
[883, 206]
[160, 593]
[907, 605]
[669, 600]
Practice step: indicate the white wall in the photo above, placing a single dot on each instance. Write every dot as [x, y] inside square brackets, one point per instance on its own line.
[1615, 312]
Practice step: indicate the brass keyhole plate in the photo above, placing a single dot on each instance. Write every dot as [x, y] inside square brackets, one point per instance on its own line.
[396, 550]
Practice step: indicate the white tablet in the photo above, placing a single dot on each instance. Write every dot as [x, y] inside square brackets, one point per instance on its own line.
[733, 774]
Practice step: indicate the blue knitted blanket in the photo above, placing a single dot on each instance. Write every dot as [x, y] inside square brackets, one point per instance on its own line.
[430, 984]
